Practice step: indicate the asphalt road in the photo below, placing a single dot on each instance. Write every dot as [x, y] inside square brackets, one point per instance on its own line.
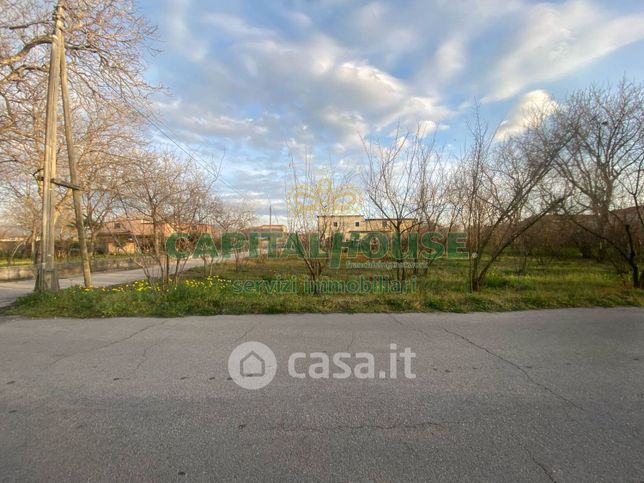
[529, 396]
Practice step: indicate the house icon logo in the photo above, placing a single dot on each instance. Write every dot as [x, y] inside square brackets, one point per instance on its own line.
[252, 365]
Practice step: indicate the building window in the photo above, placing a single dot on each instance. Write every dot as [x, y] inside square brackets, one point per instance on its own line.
[384, 224]
[117, 226]
[335, 224]
[357, 223]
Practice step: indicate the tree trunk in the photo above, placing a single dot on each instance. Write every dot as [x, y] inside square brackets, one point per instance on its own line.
[635, 274]
[34, 247]
[475, 283]
[92, 244]
[475, 286]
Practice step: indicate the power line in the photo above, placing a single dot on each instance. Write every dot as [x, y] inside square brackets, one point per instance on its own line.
[151, 117]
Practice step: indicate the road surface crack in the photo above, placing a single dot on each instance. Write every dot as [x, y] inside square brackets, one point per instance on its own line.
[395, 319]
[517, 367]
[243, 336]
[105, 346]
[144, 356]
[545, 470]
[360, 427]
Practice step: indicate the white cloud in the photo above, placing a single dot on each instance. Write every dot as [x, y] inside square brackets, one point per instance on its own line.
[235, 26]
[556, 40]
[314, 82]
[523, 113]
[450, 57]
[450, 37]
[315, 75]
[378, 29]
[193, 47]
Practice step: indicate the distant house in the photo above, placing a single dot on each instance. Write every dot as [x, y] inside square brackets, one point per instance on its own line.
[348, 224]
[129, 236]
[634, 216]
[12, 237]
[13, 233]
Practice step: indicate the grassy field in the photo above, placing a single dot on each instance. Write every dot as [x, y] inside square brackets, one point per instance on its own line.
[569, 283]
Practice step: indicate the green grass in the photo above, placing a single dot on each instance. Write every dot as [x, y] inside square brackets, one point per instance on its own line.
[16, 262]
[565, 283]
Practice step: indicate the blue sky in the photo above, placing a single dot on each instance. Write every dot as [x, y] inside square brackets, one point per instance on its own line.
[263, 79]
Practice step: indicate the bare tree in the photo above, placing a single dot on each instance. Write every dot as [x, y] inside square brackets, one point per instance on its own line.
[167, 194]
[401, 184]
[106, 46]
[438, 208]
[314, 198]
[603, 165]
[499, 183]
[104, 39]
[234, 218]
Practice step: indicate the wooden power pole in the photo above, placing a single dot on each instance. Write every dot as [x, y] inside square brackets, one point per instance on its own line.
[47, 276]
[73, 175]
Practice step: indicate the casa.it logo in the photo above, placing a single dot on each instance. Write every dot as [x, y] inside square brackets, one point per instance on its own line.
[252, 365]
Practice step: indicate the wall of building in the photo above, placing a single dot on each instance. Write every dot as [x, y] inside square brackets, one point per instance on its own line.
[27, 272]
[327, 225]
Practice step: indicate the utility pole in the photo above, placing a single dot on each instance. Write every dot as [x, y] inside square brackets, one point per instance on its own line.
[71, 154]
[47, 277]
